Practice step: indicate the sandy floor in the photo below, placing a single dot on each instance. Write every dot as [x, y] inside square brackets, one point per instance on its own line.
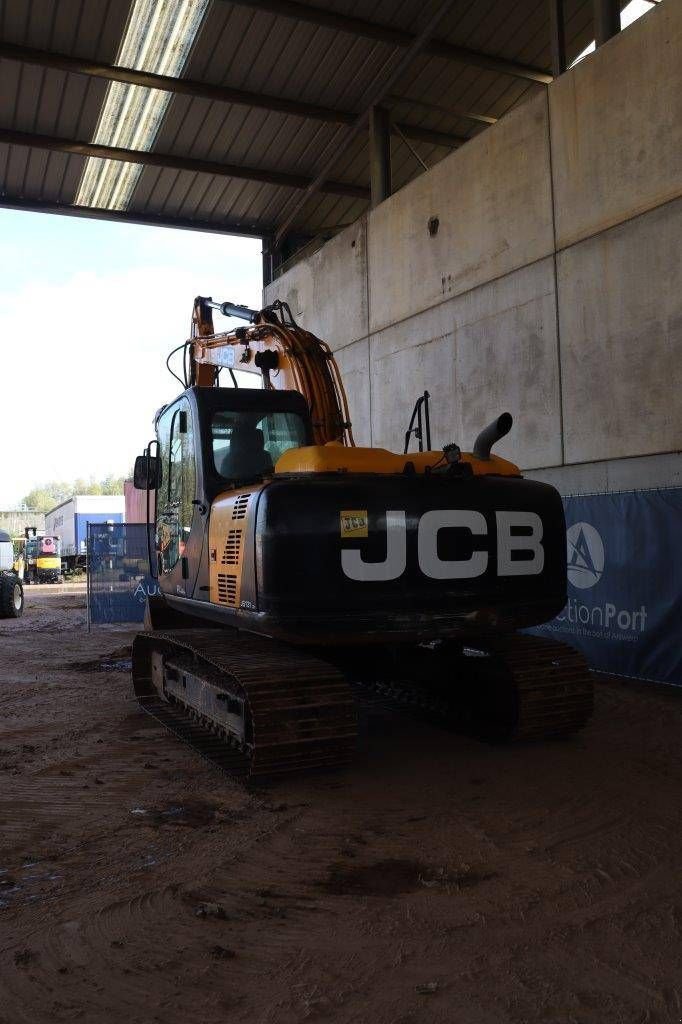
[438, 880]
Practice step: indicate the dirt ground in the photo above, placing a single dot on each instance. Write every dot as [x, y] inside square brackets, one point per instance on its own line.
[437, 880]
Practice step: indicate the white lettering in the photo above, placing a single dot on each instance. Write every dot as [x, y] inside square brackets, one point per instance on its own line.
[355, 567]
[508, 544]
[427, 545]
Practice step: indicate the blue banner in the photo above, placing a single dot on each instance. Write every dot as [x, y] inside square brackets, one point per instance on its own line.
[118, 572]
[624, 609]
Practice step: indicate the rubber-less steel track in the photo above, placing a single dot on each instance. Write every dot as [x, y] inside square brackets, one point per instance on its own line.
[300, 711]
[553, 686]
[303, 712]
[510, 688]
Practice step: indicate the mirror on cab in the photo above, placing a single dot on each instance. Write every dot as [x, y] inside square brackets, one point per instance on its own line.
[147, 473]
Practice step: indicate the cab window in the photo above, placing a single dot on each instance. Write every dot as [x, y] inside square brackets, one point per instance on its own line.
[247, 445]
[178, 483]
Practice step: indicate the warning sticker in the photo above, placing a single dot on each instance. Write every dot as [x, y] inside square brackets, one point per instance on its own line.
[354, 523]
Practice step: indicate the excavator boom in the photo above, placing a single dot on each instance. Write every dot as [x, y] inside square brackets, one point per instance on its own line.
[287, 357]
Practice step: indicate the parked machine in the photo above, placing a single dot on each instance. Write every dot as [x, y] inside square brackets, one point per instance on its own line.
[70, 520]
[42, 557]
[293, 565]
[11, 589]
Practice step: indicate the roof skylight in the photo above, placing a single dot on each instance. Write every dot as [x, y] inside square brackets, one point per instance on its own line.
[158, 38]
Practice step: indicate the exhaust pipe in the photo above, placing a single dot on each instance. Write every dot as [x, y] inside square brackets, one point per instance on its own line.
[491, 434]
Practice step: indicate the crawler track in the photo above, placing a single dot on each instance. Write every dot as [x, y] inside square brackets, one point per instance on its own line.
[301, 713]
[553, 684]
[511, 688]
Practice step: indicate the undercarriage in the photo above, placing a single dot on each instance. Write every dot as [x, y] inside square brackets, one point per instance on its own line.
[261, 708]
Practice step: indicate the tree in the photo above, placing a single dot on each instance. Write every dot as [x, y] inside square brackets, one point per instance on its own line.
[45, 496]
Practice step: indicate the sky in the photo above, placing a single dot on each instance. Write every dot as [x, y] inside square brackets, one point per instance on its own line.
[89, 310]
[634, 10]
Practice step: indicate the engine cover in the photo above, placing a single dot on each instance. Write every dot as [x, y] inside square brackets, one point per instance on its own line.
[429, 555]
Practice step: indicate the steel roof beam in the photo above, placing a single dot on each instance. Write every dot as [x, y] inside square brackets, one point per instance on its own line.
[396, 37]
[131, 217]
[184, 86]
[374, 97]
[219, 93]
[177, 163]
[441, 108]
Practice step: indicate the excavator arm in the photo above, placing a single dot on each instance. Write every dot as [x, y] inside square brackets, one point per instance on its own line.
[287, 357]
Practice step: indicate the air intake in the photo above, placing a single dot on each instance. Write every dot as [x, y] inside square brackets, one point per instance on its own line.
[227, 589]
[240, 506]
[233, 548]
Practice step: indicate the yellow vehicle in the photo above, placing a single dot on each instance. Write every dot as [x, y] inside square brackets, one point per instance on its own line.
[42, 558]
[293, 566]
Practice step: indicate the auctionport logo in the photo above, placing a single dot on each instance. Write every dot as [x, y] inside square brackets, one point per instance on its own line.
[585, 555]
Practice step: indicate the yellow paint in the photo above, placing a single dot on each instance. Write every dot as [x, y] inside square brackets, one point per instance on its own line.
[354, 523]
[336, 458]
[226, 543]
[50, 562]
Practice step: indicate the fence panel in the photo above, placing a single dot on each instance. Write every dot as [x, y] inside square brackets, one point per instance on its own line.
[118, 572]
[624, 609]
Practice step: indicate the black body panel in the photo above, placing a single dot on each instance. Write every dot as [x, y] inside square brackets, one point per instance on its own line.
[304, 593]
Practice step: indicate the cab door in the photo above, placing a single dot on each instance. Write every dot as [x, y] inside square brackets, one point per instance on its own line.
[176, 516]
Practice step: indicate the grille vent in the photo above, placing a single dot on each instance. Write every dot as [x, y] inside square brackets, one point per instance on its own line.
[240, 506]
[233, 548]
[227, 589]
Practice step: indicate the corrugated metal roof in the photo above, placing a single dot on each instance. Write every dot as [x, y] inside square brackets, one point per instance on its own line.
[247, 48]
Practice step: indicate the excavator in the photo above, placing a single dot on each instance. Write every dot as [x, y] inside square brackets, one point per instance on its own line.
[295, 568]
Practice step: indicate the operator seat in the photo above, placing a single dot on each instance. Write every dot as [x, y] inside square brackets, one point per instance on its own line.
[246, 457]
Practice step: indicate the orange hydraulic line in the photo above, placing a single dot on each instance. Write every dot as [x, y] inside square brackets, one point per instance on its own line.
[308, 367]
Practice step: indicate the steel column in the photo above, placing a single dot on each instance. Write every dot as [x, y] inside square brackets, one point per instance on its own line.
[379, 155]
[557, 36]
[606, 20]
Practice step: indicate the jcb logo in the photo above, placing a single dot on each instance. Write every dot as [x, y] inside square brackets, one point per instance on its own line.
[528, 549]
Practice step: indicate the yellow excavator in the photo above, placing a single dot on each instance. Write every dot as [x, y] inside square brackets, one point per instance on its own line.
[295, 568]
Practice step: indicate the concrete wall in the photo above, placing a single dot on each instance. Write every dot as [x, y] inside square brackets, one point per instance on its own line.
[552, 288]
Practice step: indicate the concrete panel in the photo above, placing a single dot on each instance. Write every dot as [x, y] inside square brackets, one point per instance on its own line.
[586, 478]
[328, 291]
[637, 474]
[486, 352]
[650, 471]
[620, 315]
[353, 362]
[616, 127]
[492, 199]
[400, 377]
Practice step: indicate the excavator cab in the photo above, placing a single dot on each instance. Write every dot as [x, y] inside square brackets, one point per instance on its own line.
[208, 441]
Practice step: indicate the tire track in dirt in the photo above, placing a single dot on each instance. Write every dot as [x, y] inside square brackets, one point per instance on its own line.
[436, 880]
